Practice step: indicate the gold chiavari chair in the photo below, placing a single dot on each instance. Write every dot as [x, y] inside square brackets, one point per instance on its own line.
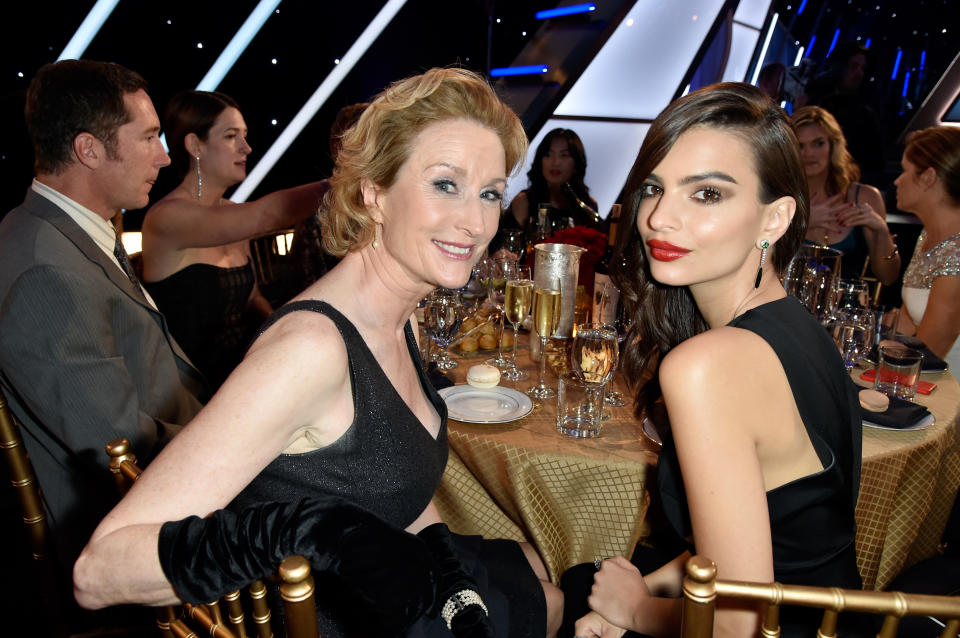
[702, 589]
[23, 479]
[296, 587]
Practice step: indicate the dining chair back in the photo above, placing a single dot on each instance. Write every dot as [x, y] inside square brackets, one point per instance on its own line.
[23, 480]
[294, 576]
[702, 589]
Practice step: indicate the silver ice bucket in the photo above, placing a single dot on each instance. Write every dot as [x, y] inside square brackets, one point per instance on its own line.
[559, 262]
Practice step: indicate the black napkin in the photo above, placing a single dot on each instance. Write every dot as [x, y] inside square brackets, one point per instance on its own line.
[901, 414]
[930, 363]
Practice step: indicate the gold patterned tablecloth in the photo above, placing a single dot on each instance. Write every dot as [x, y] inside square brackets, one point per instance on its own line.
[576, 499]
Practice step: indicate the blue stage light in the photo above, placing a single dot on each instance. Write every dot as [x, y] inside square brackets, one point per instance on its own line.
[833, 43]
[896, 64]
[566, 11]
[532, 69]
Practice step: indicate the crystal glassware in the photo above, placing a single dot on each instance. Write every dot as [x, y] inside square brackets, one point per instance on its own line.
[500, 267]
[853, 339]
[546, 318]
[516, 306]
[595, 356]
[442, 315]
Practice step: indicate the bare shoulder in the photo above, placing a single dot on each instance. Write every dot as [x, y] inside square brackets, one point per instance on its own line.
[871, 195]
[711, 377]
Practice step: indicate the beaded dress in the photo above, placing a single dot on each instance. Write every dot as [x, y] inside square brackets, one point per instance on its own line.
[943, 260]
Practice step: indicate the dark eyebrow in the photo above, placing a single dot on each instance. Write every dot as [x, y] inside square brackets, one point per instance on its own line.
[690, 179]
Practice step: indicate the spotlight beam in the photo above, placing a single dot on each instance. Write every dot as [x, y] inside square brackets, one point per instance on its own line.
[319, 97]
[238, 44]
[88, 29]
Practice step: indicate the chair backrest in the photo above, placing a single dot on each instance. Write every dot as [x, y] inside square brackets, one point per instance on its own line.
[702, 589]
[23, 479]
[296, 587]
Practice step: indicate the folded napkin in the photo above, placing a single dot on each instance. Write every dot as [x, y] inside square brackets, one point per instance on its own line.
[930, 363]
[900, 415]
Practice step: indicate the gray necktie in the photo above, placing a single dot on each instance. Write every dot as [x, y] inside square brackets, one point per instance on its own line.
[121, 255]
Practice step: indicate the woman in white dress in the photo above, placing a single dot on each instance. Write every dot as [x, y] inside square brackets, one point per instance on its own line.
[929, 187]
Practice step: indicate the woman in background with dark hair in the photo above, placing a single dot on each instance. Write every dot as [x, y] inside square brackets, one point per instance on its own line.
[929, 187]
[763, 449]
[556, 178]
[196, 253]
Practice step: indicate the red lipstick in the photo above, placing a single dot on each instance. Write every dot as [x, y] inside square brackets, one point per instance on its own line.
[665, 251]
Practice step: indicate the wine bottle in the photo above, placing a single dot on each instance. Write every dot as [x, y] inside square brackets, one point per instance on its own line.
[540, 233]
[605, 294]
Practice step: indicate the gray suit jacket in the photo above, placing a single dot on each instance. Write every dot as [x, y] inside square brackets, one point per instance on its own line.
[84, 359]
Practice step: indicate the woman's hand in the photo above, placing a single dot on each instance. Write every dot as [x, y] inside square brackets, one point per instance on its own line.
[862, 214]
[824, 215]
[593, 625]
[619, 591]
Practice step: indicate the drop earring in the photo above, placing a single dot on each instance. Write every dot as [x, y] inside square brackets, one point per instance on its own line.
[376, 236]
[199, 180]
[764, 245]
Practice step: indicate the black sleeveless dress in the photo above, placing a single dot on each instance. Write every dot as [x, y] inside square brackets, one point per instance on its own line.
[811, 518]
[205, 308]
[388, 463]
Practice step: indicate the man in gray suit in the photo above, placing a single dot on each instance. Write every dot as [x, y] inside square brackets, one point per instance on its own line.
[85, 356]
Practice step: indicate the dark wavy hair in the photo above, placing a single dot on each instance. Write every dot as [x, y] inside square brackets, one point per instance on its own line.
[191, 112]
[663, 316]
[70, 97]
[538, 191]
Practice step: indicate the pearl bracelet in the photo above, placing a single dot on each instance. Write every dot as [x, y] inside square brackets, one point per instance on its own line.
[458, 602]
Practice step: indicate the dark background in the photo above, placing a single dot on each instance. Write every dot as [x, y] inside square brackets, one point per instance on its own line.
[159, 40]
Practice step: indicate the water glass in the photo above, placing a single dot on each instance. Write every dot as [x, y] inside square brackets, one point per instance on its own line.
[442, 315]
[898, 371]
[853, 340]
[579, 408]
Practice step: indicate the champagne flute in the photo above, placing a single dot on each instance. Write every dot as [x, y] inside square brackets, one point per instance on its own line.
[496, 292]
[442, 315]
[546, 318]
[517, 302]
[594, 357]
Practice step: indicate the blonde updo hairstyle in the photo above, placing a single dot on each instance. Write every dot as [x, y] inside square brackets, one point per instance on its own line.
[380, 142]
[843, 171]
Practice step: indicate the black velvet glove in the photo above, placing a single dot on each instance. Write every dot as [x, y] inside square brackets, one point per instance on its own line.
[388, 568]
[472, 620]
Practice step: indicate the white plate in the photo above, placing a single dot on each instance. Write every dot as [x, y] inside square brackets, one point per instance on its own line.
[496, 405]
[923, 424]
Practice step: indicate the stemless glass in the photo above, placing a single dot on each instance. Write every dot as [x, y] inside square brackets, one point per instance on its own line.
[517, 303]
[500, 267]
[442, 314]
[595, 356]
[546, 318]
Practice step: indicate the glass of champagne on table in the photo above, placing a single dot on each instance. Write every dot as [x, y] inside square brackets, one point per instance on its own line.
[595, 356]
[546, 318]
[516, 307]
[500, 267]
[442, 314]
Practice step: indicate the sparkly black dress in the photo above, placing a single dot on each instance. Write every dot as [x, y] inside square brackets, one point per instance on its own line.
[205, 308]
[388, 463]
[811, 518]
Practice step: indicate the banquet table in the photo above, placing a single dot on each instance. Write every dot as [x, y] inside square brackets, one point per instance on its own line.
[577, 499]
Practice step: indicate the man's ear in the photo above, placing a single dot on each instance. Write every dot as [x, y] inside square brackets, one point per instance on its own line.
[88, 150]
[372, 199]
[779, 214]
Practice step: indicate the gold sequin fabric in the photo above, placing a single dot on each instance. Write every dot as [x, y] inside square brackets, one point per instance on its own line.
[940, 261]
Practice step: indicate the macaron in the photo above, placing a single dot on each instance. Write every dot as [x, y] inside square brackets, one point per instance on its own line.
[483, 376]
[874, 400]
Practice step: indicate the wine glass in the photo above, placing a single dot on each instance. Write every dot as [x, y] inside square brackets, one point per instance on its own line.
[516, 307]
[514, 241]
[496, 292]
[442, 315]
[595, 356]
[546, 318]
[853, 339]
[475, 290]
[614, 398]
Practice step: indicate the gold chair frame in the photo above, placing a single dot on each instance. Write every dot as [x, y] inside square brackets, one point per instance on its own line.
[296, 586]
[701, 589]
